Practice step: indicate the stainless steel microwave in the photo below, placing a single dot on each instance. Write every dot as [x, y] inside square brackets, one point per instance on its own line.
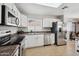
[8, 17]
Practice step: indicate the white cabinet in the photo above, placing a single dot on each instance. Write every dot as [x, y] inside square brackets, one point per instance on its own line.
[49, 39]
[52, 38]
[47, 22]
[19, 19]
[23, 20]
[10, 5]
[40, 40]
[16, 11]
[29, 42]
[34, 41]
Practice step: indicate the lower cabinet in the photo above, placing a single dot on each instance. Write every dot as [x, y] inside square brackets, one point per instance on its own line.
[34, 41]
[52, 38]
[40, 40]
[49, 39]
[46, 39]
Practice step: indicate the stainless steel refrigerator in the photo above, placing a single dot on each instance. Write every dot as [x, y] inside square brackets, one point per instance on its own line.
[57, 29]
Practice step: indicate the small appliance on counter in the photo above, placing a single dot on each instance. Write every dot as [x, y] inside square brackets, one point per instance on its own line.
[57, 29]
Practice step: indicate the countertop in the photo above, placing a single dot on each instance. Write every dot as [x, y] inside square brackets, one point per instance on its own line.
[35, 33]
[8, 50]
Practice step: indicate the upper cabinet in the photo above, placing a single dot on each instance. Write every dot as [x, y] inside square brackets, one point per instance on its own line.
[13, 8]
[23, 20]
[16, 11]
[47, 22]
[10, 5]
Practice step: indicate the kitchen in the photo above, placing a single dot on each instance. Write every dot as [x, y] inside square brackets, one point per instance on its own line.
[27, 28]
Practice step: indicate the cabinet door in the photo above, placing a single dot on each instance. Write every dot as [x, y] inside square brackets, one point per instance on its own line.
[10, 5]
[47, 39]
[30, 42]
[40, 40]
[37, 40]
[52, 38]
[35, 37]
[23, 20]
[47, 22]
[15, 10]
[19, 20]
[18, 15]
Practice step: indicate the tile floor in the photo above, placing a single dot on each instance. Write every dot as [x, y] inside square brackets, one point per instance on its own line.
[66, 50]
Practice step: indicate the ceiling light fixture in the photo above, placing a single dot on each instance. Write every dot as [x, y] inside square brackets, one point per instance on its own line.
[56, 5]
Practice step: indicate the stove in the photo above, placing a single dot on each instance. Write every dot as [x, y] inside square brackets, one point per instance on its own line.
[5, 37]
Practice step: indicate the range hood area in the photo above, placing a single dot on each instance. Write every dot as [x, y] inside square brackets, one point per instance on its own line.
[8, 16]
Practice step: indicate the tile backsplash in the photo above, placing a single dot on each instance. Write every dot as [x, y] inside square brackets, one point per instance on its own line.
[12, 29]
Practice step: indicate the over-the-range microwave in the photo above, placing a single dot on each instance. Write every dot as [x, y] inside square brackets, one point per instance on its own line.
[8, 17]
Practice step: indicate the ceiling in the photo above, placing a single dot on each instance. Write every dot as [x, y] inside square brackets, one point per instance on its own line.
[72, 11]
[37, 9]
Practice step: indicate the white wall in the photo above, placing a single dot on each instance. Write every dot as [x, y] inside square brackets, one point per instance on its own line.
[72, 11]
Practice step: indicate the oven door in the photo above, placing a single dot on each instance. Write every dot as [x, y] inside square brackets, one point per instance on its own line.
[5, 40]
